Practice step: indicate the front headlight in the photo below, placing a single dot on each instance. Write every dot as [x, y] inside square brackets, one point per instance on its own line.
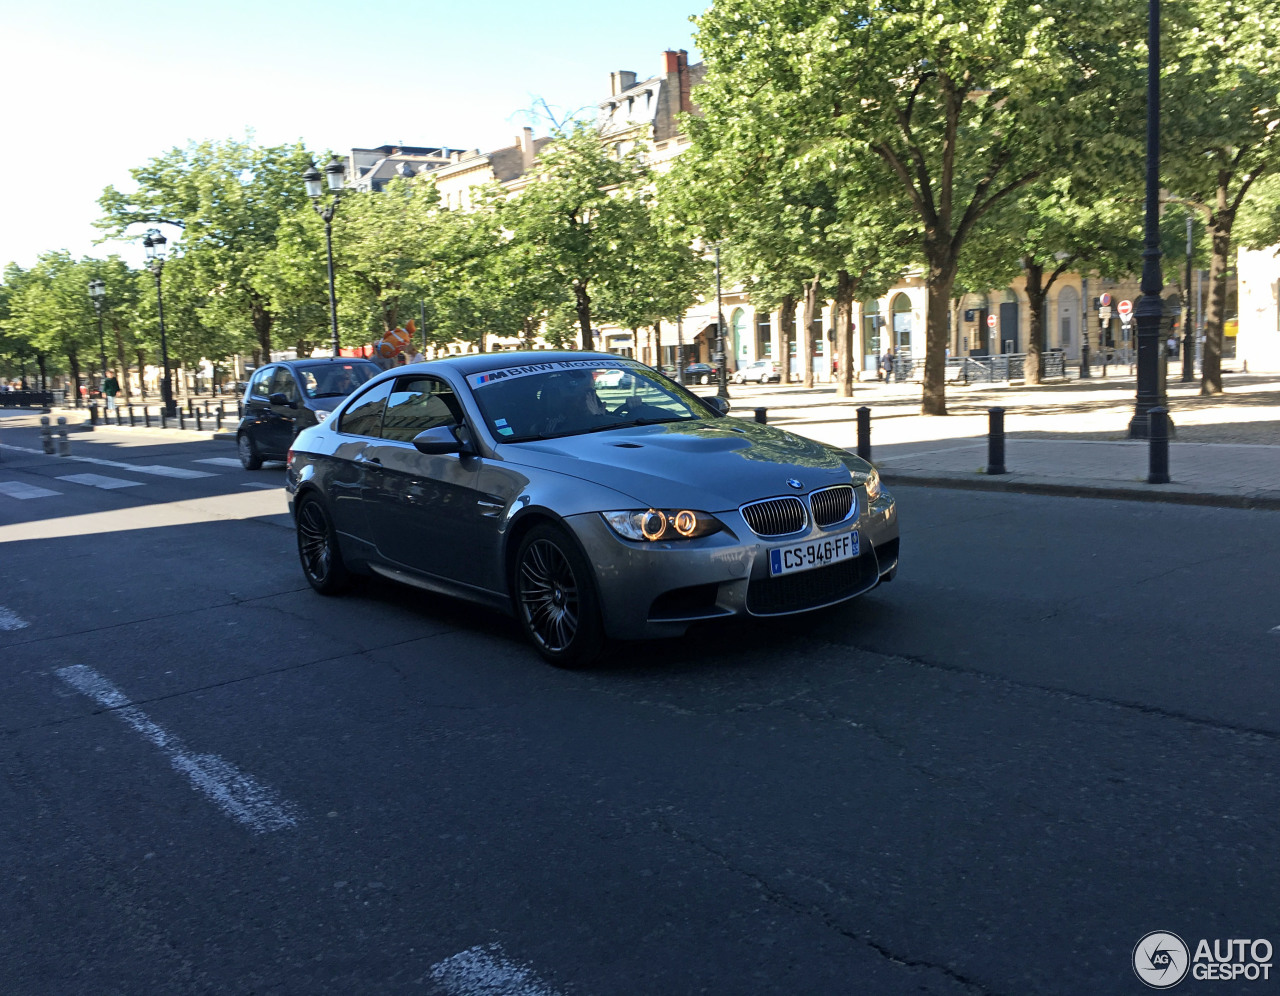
[871, 482]
[654, 524]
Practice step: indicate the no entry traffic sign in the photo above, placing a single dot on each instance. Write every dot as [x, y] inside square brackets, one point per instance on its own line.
[991, 321]
[1126, 309]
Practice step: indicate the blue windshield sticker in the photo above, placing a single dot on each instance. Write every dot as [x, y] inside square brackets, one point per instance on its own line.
[553, 366]
[506, 430]
[501, 421]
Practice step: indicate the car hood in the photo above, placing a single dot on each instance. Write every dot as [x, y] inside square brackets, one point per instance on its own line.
[710, 465]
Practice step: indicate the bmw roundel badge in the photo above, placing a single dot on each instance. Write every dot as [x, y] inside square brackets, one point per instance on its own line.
[794, 483]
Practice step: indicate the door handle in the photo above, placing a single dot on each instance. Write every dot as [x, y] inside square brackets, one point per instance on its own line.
[368, 461]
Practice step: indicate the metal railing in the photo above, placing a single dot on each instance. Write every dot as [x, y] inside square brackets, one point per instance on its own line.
[996, 368]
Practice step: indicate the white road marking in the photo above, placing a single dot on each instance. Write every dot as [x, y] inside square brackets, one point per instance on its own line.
[98, 481]
[16, 489]
[220, 461]
[486, 971]
[261, 484]
[237, 794]
[154, 470]
[1275, 629]
[10, 621]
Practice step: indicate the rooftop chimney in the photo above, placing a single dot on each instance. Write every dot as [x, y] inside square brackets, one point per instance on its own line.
[525, 141]
[622, 80]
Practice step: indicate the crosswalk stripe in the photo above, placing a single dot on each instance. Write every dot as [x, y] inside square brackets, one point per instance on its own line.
[154, 470]
[10, 620]
[16, 489]
[99, 481]
[485, 970]
[221, 461]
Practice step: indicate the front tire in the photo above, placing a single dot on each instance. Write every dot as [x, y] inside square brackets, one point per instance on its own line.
[318, 549]
[704, 379]
[250, 458]
[555, 598]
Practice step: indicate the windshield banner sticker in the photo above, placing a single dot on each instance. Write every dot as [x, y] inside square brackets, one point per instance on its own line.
[554, 366]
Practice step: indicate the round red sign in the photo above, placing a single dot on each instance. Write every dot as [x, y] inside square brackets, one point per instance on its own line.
[991, 321]
[1125, 308]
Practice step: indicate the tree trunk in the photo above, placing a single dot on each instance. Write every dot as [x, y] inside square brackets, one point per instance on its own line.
[1220, 236]
[842, 305]
[787, 334]
[1035, 322]
[812, 311]
[142, 374]
[44, 376]
[941, 278]
[582, 302]
[262, 320]
[74, 362]
[655, 344]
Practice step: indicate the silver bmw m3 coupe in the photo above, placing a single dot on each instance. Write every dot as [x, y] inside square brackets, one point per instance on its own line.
[586, 493]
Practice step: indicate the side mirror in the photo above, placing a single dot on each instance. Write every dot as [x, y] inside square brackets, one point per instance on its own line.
[721, 405]
[280, 401]
[439, 440]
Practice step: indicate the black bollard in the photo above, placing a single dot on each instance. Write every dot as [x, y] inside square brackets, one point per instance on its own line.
[182, 419]
[762, 415]
[199, 426]
[1158, 432]
[120, 416]
[995, 441]
[218, 416]
[864, 433]
[93, 413]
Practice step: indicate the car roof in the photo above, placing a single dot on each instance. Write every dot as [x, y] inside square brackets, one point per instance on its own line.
[322, 359]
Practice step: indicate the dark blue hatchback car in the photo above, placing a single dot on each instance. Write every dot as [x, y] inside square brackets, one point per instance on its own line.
[287, 396]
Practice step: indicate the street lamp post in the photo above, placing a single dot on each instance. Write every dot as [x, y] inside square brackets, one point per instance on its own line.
[1188, 334]
[154, 244]
[98, 293]
[1149, 310]
[334, 175]
[722, 377]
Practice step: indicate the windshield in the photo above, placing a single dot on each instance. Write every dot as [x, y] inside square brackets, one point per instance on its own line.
[570, 397]
[334, 380]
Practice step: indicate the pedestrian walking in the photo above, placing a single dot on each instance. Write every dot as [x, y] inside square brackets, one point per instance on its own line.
[110, 388]
[886, 363]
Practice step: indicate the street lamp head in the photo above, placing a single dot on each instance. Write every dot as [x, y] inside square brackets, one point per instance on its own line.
[154, 242]
[312, 179]
[334, 173]
[97, 290]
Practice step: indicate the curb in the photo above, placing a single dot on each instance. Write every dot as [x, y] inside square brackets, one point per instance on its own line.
[1265, 501]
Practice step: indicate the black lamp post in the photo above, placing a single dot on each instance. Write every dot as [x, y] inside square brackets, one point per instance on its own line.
[1149, 310]
[154, 244]
[334, 175]
[98, 293]
[722, 376]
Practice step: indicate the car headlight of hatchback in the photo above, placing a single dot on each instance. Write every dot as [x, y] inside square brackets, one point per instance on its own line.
[654, 524]
[870, 481]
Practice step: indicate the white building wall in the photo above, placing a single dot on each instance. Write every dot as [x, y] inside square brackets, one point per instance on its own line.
[1258, 341]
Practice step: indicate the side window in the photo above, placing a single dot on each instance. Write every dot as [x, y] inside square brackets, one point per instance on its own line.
[419, 403]
[364, 416]
[260, 386]
[284, 383]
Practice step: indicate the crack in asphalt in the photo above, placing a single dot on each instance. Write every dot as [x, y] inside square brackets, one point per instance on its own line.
[828, 919]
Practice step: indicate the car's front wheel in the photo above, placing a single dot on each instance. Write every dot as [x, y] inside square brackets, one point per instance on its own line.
[556, 599]
[250, 458]
[318, 549]
[704, 379]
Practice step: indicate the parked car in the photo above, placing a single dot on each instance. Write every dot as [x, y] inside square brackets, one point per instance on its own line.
[283, 398]
[700, 373]
[514, 480]
[761, 371]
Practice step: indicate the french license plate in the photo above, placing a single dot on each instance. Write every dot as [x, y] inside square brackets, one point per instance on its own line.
[813, 553]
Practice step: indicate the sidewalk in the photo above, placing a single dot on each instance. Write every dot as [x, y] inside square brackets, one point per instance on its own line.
[1067, 438]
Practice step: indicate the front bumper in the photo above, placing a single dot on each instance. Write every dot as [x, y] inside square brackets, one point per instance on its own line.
[650, 590]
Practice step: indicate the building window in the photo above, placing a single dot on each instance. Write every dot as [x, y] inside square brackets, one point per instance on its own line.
[764, 335]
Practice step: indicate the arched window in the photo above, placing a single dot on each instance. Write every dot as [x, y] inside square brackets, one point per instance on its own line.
[901, 324]
[738, 329]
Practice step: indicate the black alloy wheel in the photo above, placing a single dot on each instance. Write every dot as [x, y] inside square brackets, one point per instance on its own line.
[250, 458]
[556, 598]
[318, 549]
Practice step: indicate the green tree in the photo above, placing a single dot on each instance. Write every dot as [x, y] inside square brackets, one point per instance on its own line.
[955, 106]
[1225, 134]
[228, 199]
[577, 214]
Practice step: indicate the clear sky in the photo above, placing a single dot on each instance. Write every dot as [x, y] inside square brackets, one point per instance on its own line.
[92, 89]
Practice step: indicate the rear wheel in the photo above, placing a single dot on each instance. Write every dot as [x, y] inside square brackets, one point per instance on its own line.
[318, 549]
[556, 599]
[250, 458]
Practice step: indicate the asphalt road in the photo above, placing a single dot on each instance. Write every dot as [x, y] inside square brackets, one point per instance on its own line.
[1055, 732]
